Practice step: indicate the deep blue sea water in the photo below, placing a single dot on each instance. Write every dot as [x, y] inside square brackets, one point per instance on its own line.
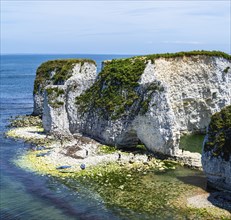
[25, 195]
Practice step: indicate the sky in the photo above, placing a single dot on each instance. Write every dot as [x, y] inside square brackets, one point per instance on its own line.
[114, 27]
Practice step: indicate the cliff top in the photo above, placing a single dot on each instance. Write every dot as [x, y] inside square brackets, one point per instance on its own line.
[123, 75]
[62, 69]
[189, 54]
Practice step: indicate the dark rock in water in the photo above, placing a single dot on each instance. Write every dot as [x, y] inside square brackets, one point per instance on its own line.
[43, 154]
[63, 167]
[83, 166]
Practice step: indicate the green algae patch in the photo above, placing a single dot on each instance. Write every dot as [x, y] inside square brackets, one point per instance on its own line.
[219, 134]
[32, 134]
[107, 149]
[30, 162]
[41, 165]
[25, 121]
[154, 189]
[145, 189]
[192, 142]
[20, 132]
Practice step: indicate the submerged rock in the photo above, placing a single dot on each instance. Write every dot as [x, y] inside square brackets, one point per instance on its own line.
[83, 166]
[216, 156]
[152, 99]
[42, 154]
[63, 167]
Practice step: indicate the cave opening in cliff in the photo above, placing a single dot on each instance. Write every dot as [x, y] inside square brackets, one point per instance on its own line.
[138, 148]
[192, 142]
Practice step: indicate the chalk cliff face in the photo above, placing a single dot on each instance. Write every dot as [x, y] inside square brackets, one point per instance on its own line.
[152, 99]
[56, 72]
[216, 155]
[59, 110]
[195, 88]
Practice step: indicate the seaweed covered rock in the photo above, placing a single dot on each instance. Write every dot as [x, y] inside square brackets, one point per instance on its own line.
[55, 72]
[152, 99]
[216, 157]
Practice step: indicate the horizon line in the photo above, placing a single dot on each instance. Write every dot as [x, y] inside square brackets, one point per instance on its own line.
[67, 54]
[125, 54]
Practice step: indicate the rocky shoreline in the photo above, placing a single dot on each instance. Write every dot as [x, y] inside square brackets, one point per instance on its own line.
[82, 150]
[141, 106]
[51, 157]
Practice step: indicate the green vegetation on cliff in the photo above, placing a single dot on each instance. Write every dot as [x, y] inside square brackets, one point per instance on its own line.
[55, 96]
[213, 53]
[114, 90]
[219, 134]
[117, 92]
[55, 72]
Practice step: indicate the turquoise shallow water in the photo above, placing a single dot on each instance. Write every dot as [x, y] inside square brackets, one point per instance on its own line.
[26, 195]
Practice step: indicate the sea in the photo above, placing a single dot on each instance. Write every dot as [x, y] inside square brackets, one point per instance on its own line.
[26, 195]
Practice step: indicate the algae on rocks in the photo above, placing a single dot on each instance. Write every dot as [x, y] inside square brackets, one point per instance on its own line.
[25, 121]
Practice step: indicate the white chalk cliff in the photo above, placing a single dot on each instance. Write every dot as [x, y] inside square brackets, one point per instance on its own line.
[173, 95]
[59, 111]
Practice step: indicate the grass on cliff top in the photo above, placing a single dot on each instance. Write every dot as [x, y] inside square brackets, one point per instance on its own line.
[62, 68]
[213, 53]
[116, 91]
[219, 134]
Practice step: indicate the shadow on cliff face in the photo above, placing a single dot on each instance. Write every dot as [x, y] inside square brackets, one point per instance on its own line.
[221, 200]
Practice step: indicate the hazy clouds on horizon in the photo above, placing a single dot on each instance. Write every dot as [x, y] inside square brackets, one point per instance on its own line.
[114, 27]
